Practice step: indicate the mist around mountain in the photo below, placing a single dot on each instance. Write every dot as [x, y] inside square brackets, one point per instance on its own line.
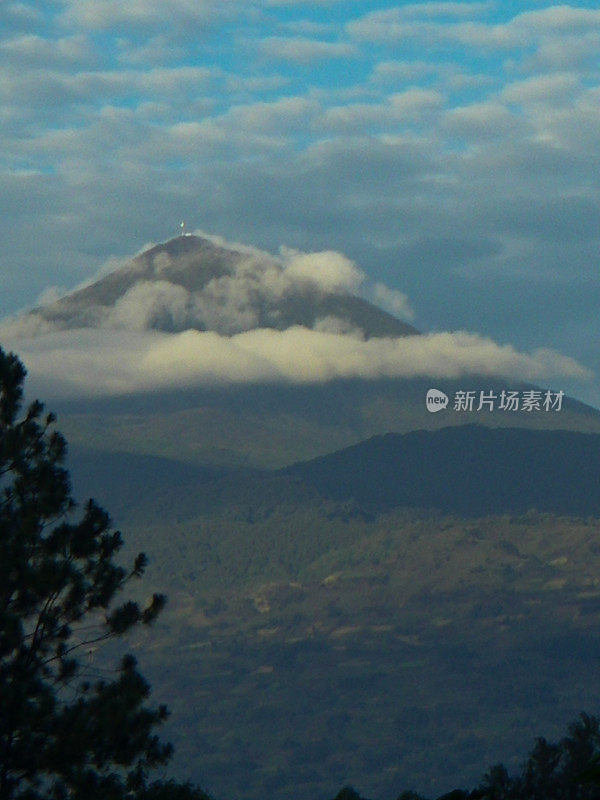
[200, 313]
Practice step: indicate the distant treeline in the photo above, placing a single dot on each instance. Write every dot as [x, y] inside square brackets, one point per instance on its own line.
[567, 770]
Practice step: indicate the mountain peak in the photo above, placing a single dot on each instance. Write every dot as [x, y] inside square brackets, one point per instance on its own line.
[189, 246]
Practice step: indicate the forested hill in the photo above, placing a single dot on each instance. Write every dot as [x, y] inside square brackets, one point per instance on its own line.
[469, 470]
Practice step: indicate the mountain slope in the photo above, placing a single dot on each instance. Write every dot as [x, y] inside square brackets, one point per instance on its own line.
[272, 426]
[467, 470]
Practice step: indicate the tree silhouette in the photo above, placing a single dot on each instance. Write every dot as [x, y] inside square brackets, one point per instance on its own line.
[62, 736]
[170, 790]
[497, 784]
[348, 793]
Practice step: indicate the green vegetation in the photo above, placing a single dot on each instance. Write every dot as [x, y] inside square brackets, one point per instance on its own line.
[65, 732]
[306, 643]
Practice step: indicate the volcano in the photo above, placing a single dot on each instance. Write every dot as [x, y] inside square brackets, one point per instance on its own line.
[305, 365]
[192, 283]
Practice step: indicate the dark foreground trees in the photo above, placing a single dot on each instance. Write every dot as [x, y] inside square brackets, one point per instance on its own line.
[62, 734]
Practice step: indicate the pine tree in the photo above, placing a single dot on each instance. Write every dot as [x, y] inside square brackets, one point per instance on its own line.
[62, 736]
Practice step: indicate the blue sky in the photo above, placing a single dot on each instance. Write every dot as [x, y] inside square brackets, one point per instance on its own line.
[451, 149]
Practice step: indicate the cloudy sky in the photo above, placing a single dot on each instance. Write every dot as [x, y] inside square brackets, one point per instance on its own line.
[450, 149]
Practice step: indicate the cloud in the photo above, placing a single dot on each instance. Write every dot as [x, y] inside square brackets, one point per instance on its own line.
[444, 9]
[102, 86]
[424, 22]
[150, 303]
[393, 25]
[393, 301]
[249, 295]
[304, 50]
[51, 295]
[481, 121]
[31, 50]
[20, 14]
[27, 326]
[558, 18]
[338, 326]
[548, 89]
[278, 115]
[109, 14]
[328, 271]
[404, 70]
[302, 2]
[411, 106]
[88, 363]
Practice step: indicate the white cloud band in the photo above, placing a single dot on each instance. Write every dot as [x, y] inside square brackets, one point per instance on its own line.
[85, 363]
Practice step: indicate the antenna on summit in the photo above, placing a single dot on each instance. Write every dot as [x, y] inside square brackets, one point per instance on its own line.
[182, 228]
